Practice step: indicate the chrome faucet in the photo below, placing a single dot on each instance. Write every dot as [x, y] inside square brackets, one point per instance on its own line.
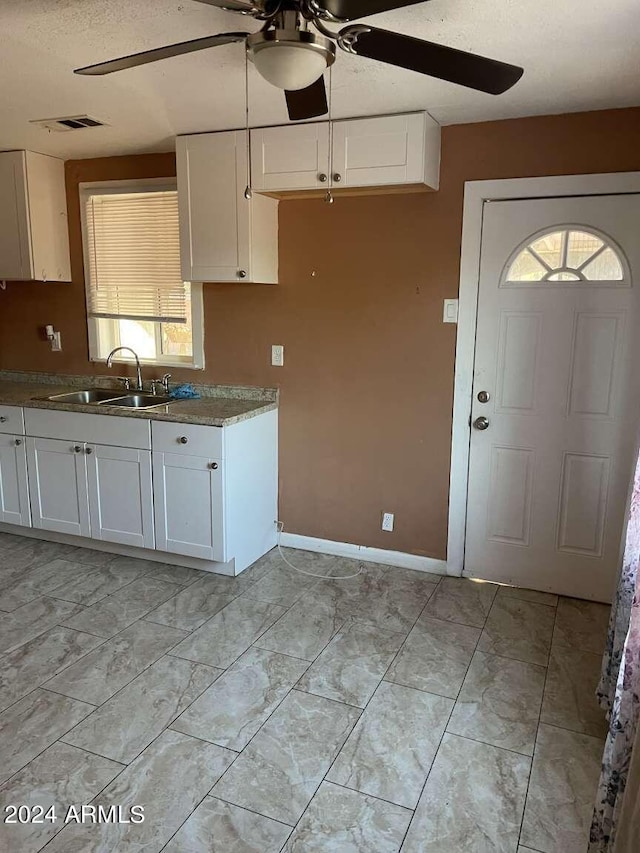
[135, 355]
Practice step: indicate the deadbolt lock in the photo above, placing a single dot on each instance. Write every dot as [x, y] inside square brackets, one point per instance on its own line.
[484, 397]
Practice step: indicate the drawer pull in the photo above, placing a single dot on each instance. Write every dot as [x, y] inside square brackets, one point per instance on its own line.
[3, 420]
[18, 442]
[183, 439]
[213, 466]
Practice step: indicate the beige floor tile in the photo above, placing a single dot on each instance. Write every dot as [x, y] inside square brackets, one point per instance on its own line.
[500, 703]
[518, 629]
[280, 770]
[461, 600]
[390, 751]
[570, 693]
[62, 776]
[582, 625]
[435, 657]
[341, 820]
[353, 664]
[532, 595]
[564, 778]
[473, 800]
[218, 827]
[232, 710]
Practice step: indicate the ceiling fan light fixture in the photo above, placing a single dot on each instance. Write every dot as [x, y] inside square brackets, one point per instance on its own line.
[290, 59]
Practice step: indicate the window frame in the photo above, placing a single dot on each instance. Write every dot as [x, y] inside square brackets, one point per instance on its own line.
[197, 360]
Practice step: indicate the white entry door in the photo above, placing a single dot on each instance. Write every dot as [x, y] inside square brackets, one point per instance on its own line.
[556, 396]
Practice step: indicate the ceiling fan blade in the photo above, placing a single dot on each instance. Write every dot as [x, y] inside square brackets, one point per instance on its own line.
[309, 102]
[425, 57]
[146, 56]
[349, 10]
[249, 7]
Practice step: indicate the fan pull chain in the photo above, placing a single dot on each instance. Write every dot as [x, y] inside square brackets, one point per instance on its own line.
[248, 193]
[329, 199]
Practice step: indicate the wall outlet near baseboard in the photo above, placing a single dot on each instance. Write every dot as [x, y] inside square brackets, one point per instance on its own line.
[387, 521]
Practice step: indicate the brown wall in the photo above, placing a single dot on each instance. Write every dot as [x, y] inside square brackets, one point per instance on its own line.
[367, 387]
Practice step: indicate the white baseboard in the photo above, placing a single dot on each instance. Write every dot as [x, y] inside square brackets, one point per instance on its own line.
[367, 555]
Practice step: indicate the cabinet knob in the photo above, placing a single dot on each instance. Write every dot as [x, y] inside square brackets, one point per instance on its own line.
[337, 177]
[89, 451]
[213, 466]
[77, 448]
[18, 442]
[183, 439]
[322, 177]
[3, 420]
[242, 273]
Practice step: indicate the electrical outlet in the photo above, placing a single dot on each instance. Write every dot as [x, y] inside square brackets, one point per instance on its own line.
[387, 521]
[277, 356]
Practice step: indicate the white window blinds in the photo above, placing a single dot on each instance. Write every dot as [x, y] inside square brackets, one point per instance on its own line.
[133, 263]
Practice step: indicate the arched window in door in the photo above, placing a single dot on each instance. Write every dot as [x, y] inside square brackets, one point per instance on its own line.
[565, 255]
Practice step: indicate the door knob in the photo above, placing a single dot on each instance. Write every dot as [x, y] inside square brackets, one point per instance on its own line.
[322, 178]
[18, 442]
[213, 466]
[337, 177]
[77, 448]
[481, 423]
[89, 450]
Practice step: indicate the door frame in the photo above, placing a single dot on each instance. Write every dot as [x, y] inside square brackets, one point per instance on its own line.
[476, 195]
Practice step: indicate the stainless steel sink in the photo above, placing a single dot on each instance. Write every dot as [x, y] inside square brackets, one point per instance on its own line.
[89, 395]
[139, 401]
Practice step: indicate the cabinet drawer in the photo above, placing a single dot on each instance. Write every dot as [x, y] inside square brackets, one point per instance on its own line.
[190, 439]
[93, 429]
[12, 420]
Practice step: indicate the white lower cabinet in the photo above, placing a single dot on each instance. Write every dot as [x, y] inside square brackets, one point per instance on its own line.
[14, 489]
[203, 492]
[120, 492]
[58, 486]
[189, 508]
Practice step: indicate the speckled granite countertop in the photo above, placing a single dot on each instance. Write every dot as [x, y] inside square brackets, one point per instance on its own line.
[219, 405]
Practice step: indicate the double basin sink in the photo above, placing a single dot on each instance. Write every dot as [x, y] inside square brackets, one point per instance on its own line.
[105, 397]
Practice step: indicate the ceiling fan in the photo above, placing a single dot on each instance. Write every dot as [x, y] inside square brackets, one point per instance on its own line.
[295, 46]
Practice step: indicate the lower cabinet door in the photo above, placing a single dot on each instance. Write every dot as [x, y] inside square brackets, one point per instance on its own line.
[120, 495]
[58, 486]
[14, 489]
[189, 508]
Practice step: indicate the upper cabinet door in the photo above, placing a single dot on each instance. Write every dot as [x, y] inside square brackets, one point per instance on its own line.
[387, 151]
[293, 157]
[223, 235]
[34, 238]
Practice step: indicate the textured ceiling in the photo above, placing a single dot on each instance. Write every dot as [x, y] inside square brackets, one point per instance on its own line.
[577, 55]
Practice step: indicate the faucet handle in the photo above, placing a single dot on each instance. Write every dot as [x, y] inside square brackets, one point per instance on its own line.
[165, 382]
[126, 381]
[154, 385]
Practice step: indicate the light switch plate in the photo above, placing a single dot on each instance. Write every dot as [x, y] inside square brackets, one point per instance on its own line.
[450, 311]
[277, 356]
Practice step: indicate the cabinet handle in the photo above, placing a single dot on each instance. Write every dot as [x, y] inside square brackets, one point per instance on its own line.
[337, 177]
[18, 442]
[183, 439]
[89, 450]
[77, 448]
[213, 466]
[3, 420]
[322, 177]
[242, 273]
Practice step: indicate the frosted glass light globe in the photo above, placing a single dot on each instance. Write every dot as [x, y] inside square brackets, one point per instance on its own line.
[289, 66]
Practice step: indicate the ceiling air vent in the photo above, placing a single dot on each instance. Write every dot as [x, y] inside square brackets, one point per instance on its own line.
[68, 123]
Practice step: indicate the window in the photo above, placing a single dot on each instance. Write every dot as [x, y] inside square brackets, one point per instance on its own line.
[567, 255]
[135, 294]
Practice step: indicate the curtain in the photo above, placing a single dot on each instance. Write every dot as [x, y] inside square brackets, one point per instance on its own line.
[616, 819]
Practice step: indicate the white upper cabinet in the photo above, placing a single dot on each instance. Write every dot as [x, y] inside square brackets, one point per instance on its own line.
[293, 157]
[34, 237]
[387, 151]
[223, 236]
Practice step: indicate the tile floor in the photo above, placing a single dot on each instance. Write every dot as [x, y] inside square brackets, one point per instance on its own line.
[276, 712]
